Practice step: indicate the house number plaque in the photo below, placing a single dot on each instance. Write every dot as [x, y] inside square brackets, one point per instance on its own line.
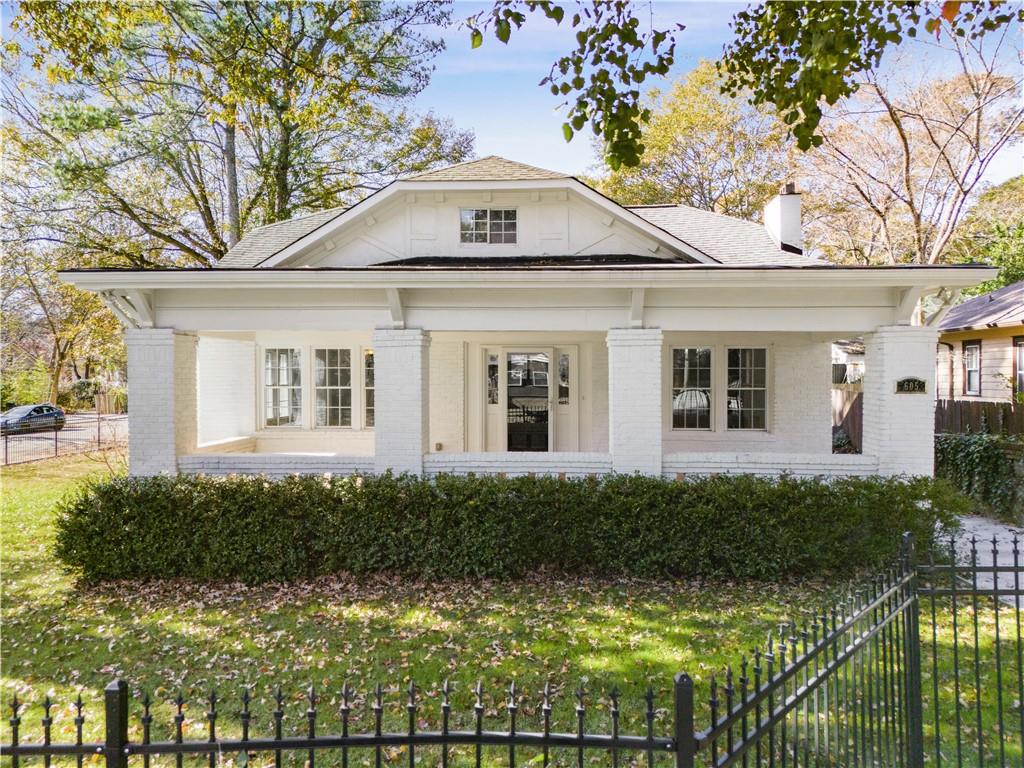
[911, 386]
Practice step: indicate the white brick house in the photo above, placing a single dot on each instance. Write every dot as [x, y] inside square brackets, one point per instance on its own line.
[494, 317]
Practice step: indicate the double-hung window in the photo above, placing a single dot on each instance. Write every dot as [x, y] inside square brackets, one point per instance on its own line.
[332, 387]
[487, 225]
[1018, 364]
[282, 387]
[691, 388]
[747, 392]
[368, 388]
[972, 367]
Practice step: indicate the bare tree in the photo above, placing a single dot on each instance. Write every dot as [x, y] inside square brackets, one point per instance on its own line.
[901, 162]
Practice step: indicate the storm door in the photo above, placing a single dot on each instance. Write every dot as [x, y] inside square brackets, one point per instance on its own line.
[528, 400]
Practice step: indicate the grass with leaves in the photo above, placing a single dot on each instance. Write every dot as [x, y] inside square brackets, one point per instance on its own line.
[164, 637]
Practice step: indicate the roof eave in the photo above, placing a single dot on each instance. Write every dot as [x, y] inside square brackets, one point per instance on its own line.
[647, 276]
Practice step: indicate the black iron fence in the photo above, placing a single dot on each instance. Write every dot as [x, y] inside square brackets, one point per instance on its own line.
[921, 666]
[80, 433]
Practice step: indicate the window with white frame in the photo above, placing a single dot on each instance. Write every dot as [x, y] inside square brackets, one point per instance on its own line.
[691, 388]
[1018, 351]
[487, 225]
[747, 393]
[332, 387]
[282, 387]
[368, 388]
[972, 367]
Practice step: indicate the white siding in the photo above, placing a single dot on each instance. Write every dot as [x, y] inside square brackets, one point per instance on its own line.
[551, 222]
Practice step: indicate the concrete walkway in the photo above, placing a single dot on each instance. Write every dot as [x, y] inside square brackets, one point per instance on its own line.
[984, 531]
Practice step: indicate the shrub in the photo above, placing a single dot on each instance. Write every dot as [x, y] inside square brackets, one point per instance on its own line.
[989, 468]
[255, 530]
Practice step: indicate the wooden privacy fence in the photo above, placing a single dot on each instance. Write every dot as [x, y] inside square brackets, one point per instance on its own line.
[976, 416]
[848, 413]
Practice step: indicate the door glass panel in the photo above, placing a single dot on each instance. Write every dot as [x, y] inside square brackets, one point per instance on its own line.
[492, 379]
[528, 383]
[563, 379]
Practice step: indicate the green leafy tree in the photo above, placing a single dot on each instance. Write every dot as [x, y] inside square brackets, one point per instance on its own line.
[706, 150]
[797, 57]
[191, 122]
[69, 323]
[1003, 249]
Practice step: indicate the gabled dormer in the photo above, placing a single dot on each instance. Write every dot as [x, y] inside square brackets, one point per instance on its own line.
[490, 210]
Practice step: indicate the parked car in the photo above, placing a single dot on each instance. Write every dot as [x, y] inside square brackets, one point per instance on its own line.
[21, 419]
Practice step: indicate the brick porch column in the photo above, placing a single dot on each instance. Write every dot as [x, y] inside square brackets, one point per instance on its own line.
[899, 429]
[634, 400]
[401, 405]
[161, 398]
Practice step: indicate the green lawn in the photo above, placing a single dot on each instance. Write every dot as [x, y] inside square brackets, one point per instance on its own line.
[171, 636]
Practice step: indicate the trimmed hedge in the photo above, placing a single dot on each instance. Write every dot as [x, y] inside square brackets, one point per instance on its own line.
[989, 468]
[256, 530]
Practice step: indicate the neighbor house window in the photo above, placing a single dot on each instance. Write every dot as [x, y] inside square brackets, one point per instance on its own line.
[691, 388]
[282, 386]
[332, 387]
[1018, 364]
[972, 367]
[487, 225]
[368, 412]
[748, 388]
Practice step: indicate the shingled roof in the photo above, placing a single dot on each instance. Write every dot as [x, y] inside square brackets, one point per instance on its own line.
[263, 242]
[727, 239]
[490, 168]
[999, 309]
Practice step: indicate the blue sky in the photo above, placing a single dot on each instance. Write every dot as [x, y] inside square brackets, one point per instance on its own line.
[494, 90]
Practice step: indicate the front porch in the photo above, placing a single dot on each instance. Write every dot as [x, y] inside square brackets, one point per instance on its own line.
[562, 403]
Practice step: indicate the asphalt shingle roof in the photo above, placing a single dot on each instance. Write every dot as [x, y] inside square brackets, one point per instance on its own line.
[490, 168]
[727, 239]
[263, 242]
[999, 309]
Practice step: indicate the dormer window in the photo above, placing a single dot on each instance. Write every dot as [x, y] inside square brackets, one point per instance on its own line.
[487, 225]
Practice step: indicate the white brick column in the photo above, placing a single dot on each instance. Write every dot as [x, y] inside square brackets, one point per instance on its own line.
[401, 399]
[899, 429]
[161, 398]
[634, 400]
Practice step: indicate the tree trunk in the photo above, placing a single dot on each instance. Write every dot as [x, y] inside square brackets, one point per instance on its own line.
[57, 362]
[282, 164]
[231, 181]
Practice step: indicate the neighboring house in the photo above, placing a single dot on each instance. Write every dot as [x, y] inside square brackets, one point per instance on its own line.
[981, 348]
[492, 317]
[847, 362]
